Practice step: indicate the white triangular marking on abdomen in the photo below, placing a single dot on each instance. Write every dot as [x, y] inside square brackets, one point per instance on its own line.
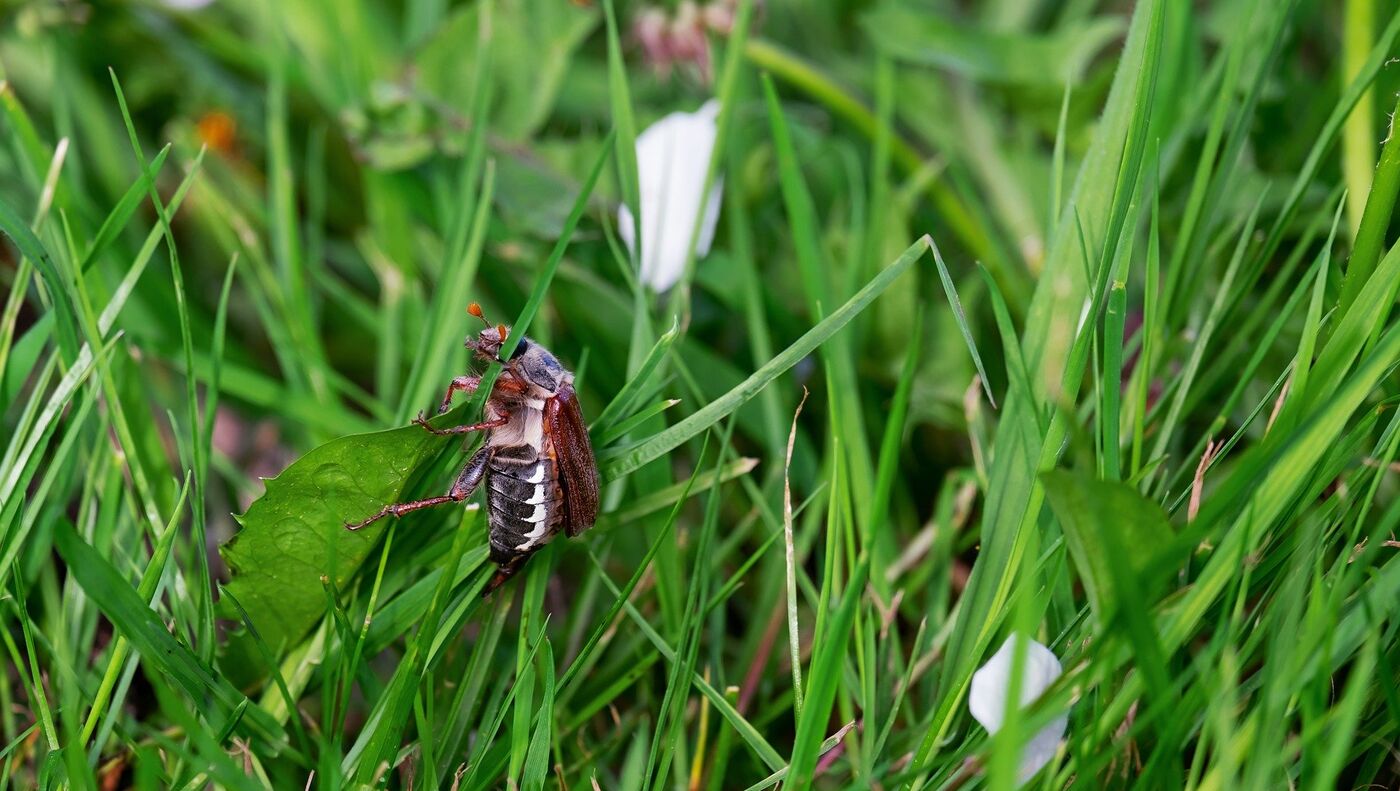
[533, 537]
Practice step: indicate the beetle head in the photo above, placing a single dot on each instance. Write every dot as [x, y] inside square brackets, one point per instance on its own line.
[487, 343]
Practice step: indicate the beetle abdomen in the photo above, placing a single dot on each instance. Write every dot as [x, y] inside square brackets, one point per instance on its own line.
[524, 499]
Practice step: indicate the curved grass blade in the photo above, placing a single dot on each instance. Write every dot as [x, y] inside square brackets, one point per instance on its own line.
[961, 317]
[622, 402]
[659, 444]
[30, 247]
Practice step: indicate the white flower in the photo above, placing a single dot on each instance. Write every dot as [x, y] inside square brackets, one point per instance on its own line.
[673, 156]
[186, 5]
[992, 682]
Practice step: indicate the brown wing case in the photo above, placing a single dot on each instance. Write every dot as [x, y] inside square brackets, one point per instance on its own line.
[578, 472]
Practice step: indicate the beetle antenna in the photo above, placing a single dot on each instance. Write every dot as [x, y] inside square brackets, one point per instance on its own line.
[475, 310]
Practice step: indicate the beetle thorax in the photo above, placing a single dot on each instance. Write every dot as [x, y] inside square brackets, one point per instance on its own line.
[533, 364]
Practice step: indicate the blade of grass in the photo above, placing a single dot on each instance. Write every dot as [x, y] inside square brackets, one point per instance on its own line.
[659, 444]
[536, 769]
[1371, 233]
[148, 635]
[960, 317]
[836, 356]
[751, 736]
[465, 238]
[825, 675]
[546, 273]
[790, 566]
[33, 250]
[637, 421]
[146, 590]
[625, 138]
[783, 64]
[888, 471]
[621, 404]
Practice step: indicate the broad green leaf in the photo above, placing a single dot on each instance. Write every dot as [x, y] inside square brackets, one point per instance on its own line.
[295, 533]
[1093, 512]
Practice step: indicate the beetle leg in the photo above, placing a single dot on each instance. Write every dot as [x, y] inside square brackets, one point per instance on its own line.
[484, 425]
[466, 384]
[462, 488]
[503, 573]
[399, 509]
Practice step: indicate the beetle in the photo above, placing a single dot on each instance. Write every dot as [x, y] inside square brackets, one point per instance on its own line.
[537, 462]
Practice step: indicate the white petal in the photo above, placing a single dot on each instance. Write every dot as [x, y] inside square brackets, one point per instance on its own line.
[987, 699]
[673, 156]
[187, 5]
[1040, 750]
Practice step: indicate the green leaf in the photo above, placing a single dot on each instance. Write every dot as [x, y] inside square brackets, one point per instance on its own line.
[295, 533]
[1093, 512]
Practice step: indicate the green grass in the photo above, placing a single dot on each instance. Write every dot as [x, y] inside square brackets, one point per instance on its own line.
[1090, 303]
